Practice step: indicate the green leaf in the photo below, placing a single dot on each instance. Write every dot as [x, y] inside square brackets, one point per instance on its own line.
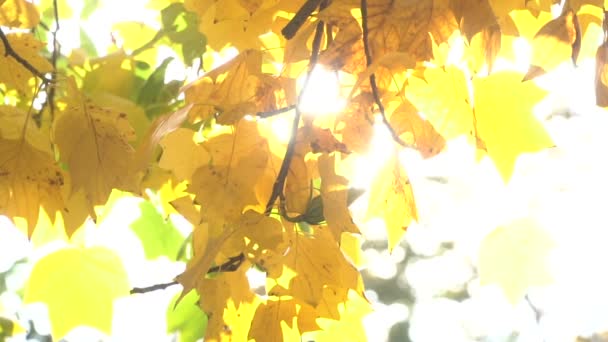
[314, 214]
[150, 92]
[158, 236]
[182, 28]
[186, 318]
[79, 286]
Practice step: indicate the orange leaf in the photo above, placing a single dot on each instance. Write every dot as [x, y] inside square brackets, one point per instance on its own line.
[554, 43]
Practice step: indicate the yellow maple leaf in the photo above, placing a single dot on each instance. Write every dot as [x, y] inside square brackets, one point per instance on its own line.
[19, 14]
[161, 126]
[78, 285]
[93, 141]
[29, 176]
[394, 26]
[182, 153]
[230, 305]
[252, 234]
[298, 186]
[237, 88]
[224, 191]
[554, 44]
[504, 120]
[334, 192]
[12, 73]
[221, 19]
[392, 199]
[282, 319]
[311, 263]
[412, 129]
[515, 258]
[442, 97]
[342, 320]
[355, 123]
[601, 75]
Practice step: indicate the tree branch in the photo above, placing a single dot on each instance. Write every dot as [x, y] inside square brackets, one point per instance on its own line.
[9, 51]
[292, 27]
[152, 288]
[275, 112]
[372, 77]
[231, 265]
[279, 184]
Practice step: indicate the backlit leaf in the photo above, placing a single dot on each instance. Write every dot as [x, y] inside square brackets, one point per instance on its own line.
[19, 14]
[515, 258]
[504, 120]
[311, 263]
[187, 318]
[12, 73]
[78, 285]
[392, 199]
[93, 141]
[554, 44]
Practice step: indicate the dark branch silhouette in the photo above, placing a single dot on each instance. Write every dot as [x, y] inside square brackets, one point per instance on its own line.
[279, 184]
[372, 77]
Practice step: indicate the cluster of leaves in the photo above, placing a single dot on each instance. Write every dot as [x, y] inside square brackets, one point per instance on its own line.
[74, 128]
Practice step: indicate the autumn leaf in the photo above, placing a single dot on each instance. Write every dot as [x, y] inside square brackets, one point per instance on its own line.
[515, 258]
[14, 74]
[237, 88]
[162, 126]
[393, 27]
[252, 234]
[392, 199]
[224, 191]
[311, 263]
[554, 43]
[504, 120]
[298, 186]
[346, 320]
[78, 285]
[480, 26]
[219, 20]
[110, 74]
[29, 177]
[442, 97]
[93, 141]
[355, 123]
[182, 153]
[414, 130]
[334, 194]
[601, 70]
[230, 305]
[282, 319]
[19, 14]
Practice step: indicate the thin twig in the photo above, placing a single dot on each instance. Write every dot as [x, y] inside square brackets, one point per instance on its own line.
[56, 50]
[153, 287]
[275, 112]
[279, 183]
[292, 27]
[231, 265]
[372, 77]
[9, 51]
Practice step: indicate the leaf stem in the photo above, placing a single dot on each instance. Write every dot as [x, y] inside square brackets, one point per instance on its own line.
[275, 112]
[372, 77]
[279, 184]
